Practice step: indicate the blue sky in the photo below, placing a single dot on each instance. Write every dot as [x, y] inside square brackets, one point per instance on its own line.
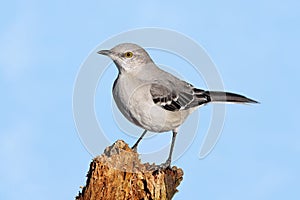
[255, 46]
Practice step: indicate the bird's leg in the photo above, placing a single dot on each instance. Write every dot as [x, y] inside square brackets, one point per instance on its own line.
[168, 162]
[134, 147]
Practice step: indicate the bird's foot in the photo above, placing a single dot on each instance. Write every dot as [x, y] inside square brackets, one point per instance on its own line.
[165, 165]
[161, 167]
[134, 148]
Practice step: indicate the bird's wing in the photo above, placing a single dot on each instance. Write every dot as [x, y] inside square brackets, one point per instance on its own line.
[181, 97]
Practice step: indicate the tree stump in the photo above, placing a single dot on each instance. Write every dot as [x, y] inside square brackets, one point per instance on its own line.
[119, 174]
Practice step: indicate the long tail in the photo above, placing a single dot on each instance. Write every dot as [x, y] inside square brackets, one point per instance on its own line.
[216, 96]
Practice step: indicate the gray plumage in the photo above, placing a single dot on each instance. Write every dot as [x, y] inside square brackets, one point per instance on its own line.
[153, 98]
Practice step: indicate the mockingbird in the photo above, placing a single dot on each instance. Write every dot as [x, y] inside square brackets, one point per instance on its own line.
[154, 99]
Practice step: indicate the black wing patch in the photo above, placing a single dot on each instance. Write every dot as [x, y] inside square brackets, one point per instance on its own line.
[174, 100]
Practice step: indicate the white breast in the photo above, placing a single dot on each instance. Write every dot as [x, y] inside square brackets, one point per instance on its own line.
[136, 104]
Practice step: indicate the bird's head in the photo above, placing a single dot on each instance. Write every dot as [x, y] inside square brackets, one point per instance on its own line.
[128, 56]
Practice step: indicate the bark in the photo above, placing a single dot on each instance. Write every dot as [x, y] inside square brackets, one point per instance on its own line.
[119, 174]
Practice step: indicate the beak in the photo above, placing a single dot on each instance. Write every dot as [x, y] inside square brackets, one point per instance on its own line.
[105, 52]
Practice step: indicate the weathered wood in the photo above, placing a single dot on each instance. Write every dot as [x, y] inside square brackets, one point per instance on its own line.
[119, 174]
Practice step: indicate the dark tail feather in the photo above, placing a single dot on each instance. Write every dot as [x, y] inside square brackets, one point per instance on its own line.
[216, 96]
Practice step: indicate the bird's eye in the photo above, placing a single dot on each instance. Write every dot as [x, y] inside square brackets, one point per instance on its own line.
[128, 54]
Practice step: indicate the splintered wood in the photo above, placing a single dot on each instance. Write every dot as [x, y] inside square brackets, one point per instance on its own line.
[118, 174]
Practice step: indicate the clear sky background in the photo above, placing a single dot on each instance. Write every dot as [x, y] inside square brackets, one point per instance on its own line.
[255, 46]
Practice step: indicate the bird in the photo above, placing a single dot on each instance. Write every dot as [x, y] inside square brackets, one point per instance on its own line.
[154, 99]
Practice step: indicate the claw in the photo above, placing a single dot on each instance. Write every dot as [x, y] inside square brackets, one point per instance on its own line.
[134, 148]
[161, 167]
[165, 165]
